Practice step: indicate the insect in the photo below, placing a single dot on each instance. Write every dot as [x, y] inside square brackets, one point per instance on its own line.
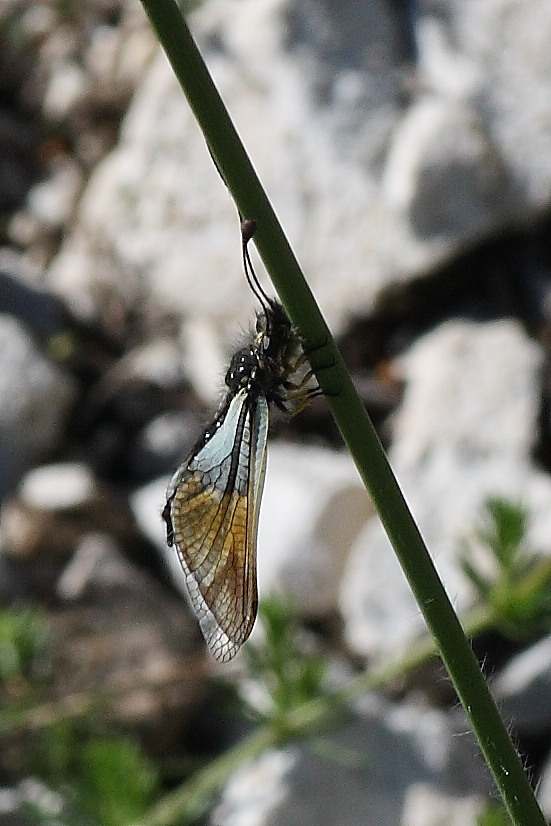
[213, 499]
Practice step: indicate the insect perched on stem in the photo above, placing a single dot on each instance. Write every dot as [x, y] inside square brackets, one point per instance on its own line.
[213, 499]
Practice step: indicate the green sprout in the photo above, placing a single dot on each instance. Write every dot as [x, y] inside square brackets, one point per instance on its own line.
[103, 781]
[289, 674]
[509, 576]
[24, 646]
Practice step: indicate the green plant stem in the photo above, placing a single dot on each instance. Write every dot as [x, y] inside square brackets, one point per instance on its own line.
[348, 411]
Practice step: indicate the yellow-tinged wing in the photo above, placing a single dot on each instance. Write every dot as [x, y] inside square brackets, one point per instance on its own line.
[212, 510]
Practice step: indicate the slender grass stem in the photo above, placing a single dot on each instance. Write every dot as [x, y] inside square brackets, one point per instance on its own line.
[348, 411]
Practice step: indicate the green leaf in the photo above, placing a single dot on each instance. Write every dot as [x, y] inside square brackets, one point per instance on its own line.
[507, 531]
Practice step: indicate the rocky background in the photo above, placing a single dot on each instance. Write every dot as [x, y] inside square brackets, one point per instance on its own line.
[406, 145]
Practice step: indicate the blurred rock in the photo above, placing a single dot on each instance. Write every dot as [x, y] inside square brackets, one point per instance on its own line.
[35, 395]
[65, 81]
[317, 93]
[426, 806]
[115, 427]
[96, 560]
[372, 181]
[65, 90]
[147, 504]
[165, 441]
[313, 508]
[442, 172]
[464, 432]
[58, 487]
[52, 202]
[506, 46]
[42, 526]
[28, 794]
[368, 771]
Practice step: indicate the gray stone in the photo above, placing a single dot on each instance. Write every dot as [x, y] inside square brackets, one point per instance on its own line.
[507, 44]
[35, 396]
[97, 560]
[52, 202]
[442, 171]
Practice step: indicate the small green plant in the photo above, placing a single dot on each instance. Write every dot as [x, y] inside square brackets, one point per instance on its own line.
[116, 782]
[289, 675]
[50, 753]
[104, 781]
[24, 645]
[510, 577]
[77, 777]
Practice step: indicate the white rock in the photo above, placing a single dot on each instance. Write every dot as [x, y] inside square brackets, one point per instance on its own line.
[463, 433]
[472, 391]
[66, 87]
[58, 486]
[252, 793]
[52, 202]
[325, 124]
[147, 504]
[40, 796]
[314, 506]
[204, 359]
[444, 69]
[97, 560]
[319, 102]
[426, 806]
[163, 434]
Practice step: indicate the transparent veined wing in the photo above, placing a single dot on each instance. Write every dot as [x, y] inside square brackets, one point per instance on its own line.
[212, 510]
